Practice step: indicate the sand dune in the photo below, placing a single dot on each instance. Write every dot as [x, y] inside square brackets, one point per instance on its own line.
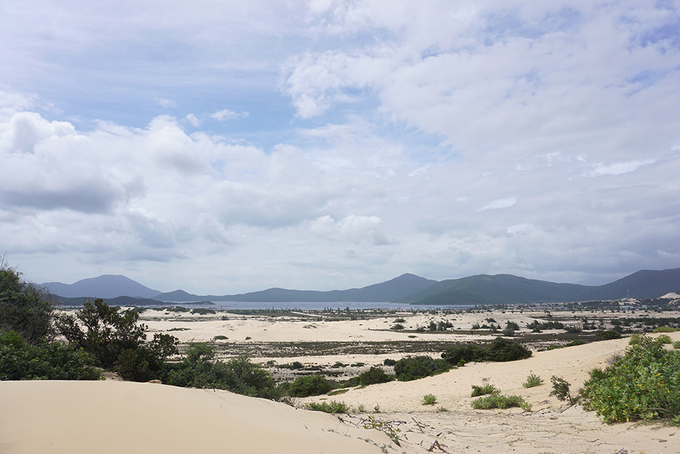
[123, 417]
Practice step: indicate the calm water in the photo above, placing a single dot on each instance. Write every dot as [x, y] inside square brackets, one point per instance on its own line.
[311, 306]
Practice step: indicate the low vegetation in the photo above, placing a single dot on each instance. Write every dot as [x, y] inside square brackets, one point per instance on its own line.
[415, 367]
[642, 384]
[532, 381]
[483, 390]
[497, 400]
[328, 407]
[499, 349]
[429, 399]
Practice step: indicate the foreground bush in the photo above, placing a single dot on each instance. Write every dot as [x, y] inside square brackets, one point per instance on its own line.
[499, 349]
[643, 384]
[415, 367]
[20, 360]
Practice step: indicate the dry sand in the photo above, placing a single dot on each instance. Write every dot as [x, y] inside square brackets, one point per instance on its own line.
[122, 417]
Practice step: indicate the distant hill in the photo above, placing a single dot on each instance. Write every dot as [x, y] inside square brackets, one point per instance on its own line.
[106, 286]
[391, 290]
[508, 289]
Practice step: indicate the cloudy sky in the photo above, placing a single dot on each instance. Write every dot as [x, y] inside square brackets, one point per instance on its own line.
[225, 147]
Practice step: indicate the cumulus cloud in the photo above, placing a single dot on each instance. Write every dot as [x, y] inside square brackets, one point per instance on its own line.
[165, 102]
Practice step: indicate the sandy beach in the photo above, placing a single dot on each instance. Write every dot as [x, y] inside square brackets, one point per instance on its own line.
[113, 416]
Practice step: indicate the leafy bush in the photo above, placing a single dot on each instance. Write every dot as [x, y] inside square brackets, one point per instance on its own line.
[311, 385]
[374, 375]
[676, 344]
[398, 327]
[496, 400]
[199, 370]
[429, 399]
[643, 384]
[20, 360]
[389, 362]
[328, 407]
[512, 326]
[561, 389]
[532, 381]
[23, 307]
[415, 367]
[664, 339]
[499, 349]
[483, 390]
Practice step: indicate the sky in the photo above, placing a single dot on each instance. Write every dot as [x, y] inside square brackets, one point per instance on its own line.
[227, 147]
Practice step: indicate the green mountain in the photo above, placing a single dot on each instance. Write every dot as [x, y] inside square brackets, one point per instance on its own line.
[508, 289]
[391, 290]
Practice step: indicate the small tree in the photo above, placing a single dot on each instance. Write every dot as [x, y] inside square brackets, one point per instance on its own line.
[24, 307]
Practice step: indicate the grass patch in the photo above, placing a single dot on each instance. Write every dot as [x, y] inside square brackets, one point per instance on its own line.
[429, 399]
[498, 400]
[338, 391]
[332, 407]
[533, 380]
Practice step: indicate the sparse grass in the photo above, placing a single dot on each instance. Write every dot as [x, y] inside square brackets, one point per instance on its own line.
[337, 391]
[332, 407]
[532, 381]
[442, 410]
[429, 399]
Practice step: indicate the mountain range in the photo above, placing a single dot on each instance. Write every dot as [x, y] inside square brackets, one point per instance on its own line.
[407, 288]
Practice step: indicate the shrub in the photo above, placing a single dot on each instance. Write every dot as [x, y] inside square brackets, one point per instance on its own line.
[561, 389]
[483, 390]
[374, 375]
[532, 381]
[203, 311]
[640, 385]
[664, 339]
[496, 400]
[499, 349]
[610, 334]
[198, 369]
[415, 367]
[389, 362]
[328, 407]
[429, 399]
[20, 360]
[23, 307]
[512, 326]
[676, 344]
[312, 385]
[398, 327]
[665, 329]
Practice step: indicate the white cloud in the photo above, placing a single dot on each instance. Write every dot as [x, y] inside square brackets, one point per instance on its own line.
[226, 114]
[165, 102]
[193, 120]
[498, 204]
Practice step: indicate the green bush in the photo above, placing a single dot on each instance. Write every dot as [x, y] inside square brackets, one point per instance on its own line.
[676, 344]
[561, 389]
[665, 329]
[610, 334]
[497, 400]
[664, 339]
[429, 399]
[499, 349]
[328, 407]
[20, 360]
[533, 380]
[483, 390]
[203, 311]
[311, 385]
[389, 362]
[374, 375]
[642, 384]
[415, 367]
[24, 307]
[198, 369]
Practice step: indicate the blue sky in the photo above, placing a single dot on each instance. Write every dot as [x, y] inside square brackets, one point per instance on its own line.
[224, 147]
